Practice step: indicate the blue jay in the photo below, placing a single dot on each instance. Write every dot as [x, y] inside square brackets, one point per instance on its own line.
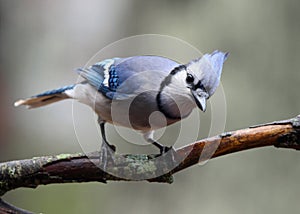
[126, 91]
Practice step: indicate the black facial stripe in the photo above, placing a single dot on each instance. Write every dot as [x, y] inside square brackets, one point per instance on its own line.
[162, 110]
[200, 86]
[177, 69]
[165, 83]
[168, 78]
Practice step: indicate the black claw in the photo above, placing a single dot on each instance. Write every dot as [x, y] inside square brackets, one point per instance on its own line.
[170, 156]
[112, 147]
[164, 149]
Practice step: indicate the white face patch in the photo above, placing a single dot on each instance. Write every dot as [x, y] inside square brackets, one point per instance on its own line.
[196, 69]
[203, 71]
[179, 79]
[176, 98]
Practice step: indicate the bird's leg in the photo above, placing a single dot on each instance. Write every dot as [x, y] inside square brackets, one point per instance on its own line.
[102, 129]
[168, 152]
[148, 136]
[107, 150]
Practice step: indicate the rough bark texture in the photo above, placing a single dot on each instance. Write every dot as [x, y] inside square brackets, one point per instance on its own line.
[66, 168]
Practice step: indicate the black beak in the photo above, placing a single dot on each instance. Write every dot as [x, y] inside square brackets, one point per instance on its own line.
[200, 100]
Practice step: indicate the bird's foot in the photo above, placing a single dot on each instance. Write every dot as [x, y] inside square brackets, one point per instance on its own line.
[165, 149]
[106, 155]
[169, 153]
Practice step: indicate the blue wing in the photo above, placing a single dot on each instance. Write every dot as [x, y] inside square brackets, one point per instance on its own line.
[120, 78]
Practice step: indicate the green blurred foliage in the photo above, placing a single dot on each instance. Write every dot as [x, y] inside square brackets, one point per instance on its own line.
[43, 41]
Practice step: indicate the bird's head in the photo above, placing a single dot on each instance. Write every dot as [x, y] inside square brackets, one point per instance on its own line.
[190, 85]
[203, 76]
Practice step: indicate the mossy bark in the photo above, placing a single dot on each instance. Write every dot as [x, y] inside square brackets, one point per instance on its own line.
[66, 168]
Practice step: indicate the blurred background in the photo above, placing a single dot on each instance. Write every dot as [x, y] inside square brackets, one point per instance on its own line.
[43, 41]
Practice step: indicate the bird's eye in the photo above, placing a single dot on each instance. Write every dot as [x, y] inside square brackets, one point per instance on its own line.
[189, 78]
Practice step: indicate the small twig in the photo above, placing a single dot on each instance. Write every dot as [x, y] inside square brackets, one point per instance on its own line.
[68, 168]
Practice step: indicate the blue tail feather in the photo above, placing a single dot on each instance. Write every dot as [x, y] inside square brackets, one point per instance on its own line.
[55, 91]
[45, 98]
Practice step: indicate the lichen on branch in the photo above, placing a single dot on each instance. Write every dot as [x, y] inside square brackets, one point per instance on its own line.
[67, 168]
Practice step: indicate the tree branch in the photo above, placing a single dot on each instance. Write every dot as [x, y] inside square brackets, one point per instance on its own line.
[66, 168]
